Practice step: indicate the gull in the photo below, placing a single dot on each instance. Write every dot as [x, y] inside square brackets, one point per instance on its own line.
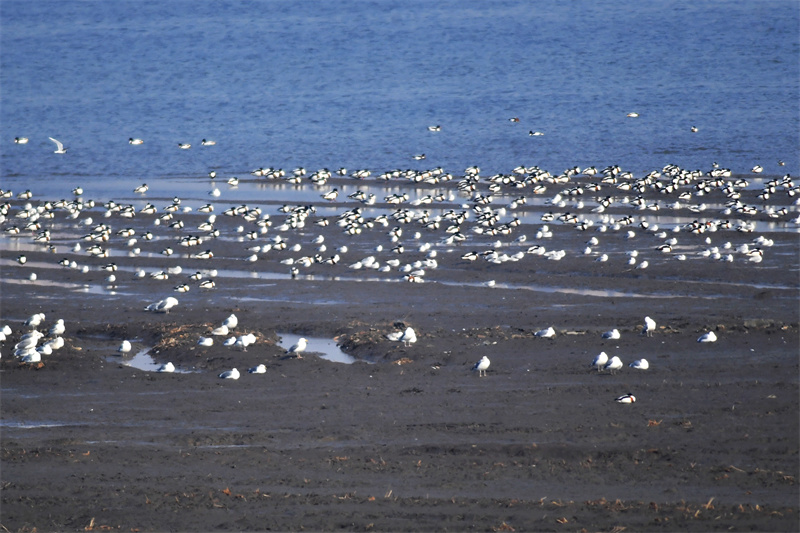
[59, 147]
[407, 337]
[640, 364]
[124, 347]
[205, 341]
[708, 337]
[166, 367]
[260, 369]
[613, 334]
[221, 330]
[300, 346]
[245, 340]
[231, 322]
[230, 374]
[34, 320]
[613, 364]
[649, 326]
[58, 328]
[625, 398]
[546, 333]
[162, 306]
[481, 366]
[600, 360]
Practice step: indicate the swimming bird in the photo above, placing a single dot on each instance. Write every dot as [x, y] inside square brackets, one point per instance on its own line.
[600, 361]
[614, 364]
[230, 374]
[131, 140]
[649, 326]
[407, 337]
[481, 366]
[20, 140]
[125, 347]
[300, 346]
[708, 337]
[640, 364]
[625, 398]
[184, 146]
[632, 115]
[613, 334]
[59, 147]
[435, 128]
[167, 367]
[205, 142]
[260, 369]
[546, 333]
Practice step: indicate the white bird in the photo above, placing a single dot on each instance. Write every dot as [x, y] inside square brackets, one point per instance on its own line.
[162, 306]
[59, 147]
[205, 341]
[58, 328]
[625, 398]
[166, 367]
[221, 330]
[125, 347]
[613, 364]
[407, 337]
[600, 360]
[300, 346]
[546, 333]
[708, 337]
[481, 366]
[231, 322]
[21, 140]
[649, 326]
[133, 141]
[34, 320]
[260, 369]
[640, 364]
[613, 334]
[230, 374]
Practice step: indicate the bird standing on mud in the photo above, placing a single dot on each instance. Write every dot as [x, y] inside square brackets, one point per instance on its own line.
[481, 366]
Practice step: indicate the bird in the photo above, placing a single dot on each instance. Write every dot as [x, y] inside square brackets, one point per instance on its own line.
[59, 147]
[613, 364]
[231, 322]
[166, 367]
[649, 326]
[632, 115]
[613, 334]
[546, 333]
[298, 347]
[58, 328]
[407, 337]
[124, 347]
[133, 141]
[230, 374]
[184, 146]
[535, 133]
[162, 306]
[220, 331]
[260, 369]
[205, 341]
[707, 337]
[20, 140]
[435, 128]
[640, 364]
[206, 142]
[694, 129]
[600, 361]
[625, 398]
[481, 366]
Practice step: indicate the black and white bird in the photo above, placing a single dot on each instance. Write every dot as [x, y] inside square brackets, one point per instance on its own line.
[407, 337]
[297, 348]
[625, 398]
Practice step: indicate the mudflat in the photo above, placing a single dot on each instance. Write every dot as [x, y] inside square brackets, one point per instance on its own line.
[408, 438]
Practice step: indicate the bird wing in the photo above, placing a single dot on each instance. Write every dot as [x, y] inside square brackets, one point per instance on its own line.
[58, 143]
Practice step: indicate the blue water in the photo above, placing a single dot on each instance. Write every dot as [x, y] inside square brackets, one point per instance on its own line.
[356, 83]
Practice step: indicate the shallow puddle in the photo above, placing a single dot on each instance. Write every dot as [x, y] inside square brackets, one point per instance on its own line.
[325, 348]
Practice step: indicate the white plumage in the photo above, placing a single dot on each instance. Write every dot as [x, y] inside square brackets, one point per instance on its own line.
[481, 366]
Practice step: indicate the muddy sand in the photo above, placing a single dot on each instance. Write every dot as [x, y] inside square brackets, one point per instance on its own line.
[408, 438]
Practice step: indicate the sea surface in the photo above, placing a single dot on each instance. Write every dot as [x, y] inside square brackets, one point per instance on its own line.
[355, 84]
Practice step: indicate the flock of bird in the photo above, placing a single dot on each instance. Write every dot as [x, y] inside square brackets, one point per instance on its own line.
[468, 212]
